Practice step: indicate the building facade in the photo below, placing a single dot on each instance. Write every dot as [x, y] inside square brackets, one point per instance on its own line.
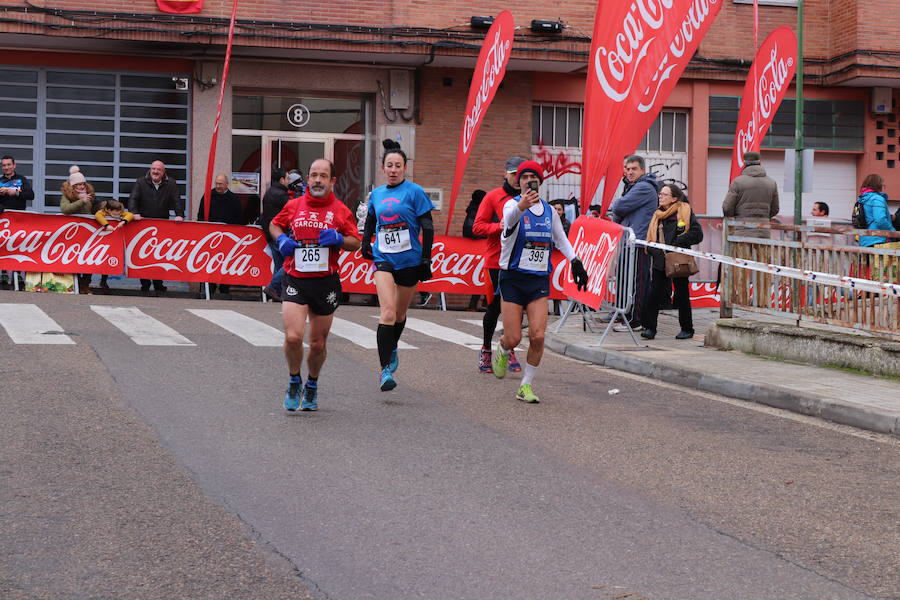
[121, 85]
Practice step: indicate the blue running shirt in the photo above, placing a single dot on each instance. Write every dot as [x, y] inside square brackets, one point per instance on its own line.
[397, 211]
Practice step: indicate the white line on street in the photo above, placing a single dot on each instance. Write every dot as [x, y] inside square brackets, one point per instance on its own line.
[141, 327]
[444, 333]
[246, 328]
[28, 324]
[359, 335]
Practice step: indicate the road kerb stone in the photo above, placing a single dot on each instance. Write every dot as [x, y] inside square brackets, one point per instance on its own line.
[848, 413]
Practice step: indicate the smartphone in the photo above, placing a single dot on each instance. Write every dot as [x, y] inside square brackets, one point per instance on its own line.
[533, 185]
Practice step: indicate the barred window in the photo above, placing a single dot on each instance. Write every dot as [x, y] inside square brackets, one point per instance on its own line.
[827, 124]
[112, 125]
[559, 125]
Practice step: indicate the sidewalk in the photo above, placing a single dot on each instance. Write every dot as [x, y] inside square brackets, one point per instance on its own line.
[867, 402]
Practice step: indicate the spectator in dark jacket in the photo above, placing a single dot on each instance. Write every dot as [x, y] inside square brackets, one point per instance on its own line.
[15, 189]
[471, 211]
[674, 224]
[224, 208]
[560, 207]
[752, 195]
[154, 196]
[468, 224]
[634, 209]
[226, 205]
[272, 203]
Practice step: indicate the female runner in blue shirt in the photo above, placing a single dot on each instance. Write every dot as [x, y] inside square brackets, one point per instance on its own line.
[398, 214]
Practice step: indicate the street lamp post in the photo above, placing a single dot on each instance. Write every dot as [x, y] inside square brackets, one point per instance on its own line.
[798, 122]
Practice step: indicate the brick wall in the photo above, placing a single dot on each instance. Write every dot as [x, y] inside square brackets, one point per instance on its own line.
[505, 131]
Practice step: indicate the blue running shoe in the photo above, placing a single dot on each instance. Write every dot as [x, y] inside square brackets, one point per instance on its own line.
[310, 392]
[395, 361]
[292, 397]
[387, 380]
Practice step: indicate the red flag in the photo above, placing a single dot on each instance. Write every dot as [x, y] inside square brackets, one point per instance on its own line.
[180, 7]
[774, 66]
[211, 162]
[647, 49]
[489, 71]
[668, 62]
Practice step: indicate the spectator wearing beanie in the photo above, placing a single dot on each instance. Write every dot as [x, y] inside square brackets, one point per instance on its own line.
[78, 196]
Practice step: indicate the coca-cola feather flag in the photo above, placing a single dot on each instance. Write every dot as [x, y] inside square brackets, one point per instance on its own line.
[633, 68]
[774, 66]
[489, 71]
[180, 7]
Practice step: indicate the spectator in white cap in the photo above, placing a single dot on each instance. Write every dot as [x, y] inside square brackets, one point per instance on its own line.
[77, 194]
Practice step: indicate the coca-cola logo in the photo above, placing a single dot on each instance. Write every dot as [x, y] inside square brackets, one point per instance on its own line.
[494, 64]
[72, 243]
[617, 66]
[218, 252]
[448, 265]
[768, 90]
[596, 256]
[456, 267]
[687, 37]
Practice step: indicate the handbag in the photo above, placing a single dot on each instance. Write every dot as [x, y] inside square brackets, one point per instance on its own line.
[680, 265]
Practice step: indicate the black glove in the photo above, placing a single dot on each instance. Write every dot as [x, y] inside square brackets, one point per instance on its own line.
[366, 250]
[579, 274]
[425, 270]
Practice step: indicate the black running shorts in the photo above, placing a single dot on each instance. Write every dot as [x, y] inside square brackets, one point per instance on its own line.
[407, 277]
[321, 294]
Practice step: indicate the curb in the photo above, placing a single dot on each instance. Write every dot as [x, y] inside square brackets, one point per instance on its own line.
[845, 413]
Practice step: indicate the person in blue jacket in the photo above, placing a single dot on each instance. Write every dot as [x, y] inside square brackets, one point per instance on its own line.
[874, 202]
[399, 214]
[635, 208]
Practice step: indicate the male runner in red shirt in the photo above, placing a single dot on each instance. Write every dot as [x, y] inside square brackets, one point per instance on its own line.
[322, 226]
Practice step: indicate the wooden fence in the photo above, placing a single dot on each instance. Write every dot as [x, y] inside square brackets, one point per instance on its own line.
[823, 249]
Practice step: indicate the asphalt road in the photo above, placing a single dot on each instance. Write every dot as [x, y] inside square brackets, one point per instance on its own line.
[135, 471]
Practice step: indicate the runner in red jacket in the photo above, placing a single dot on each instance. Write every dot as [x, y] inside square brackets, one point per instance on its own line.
[487, 223]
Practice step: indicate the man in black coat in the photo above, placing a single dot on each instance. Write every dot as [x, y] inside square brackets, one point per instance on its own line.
[15, 189]
[272, 203]
[225, 207]
[153, 196]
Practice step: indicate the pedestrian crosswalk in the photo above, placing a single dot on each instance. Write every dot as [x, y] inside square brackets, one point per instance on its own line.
[27, 323]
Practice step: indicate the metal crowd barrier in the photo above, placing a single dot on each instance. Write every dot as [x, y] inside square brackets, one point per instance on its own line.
[621, 284]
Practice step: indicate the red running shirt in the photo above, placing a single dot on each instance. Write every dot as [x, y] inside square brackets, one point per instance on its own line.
[306, 217]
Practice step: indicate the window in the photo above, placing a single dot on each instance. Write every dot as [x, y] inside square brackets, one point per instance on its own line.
[827, 124]
[110, 124]
[558, 125]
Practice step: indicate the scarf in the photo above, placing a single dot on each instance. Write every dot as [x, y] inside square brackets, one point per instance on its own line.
[684, 214]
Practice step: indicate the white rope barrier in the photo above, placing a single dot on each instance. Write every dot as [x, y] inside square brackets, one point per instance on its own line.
[853, 283]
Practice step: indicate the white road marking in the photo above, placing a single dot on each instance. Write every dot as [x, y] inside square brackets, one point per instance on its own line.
[141, 327]
[479, 323]
[359, 335]
[246, 328]
[28, 324]
[444, 333]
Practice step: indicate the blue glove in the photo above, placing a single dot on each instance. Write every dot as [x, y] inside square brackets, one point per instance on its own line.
[330, 237]
[286, 245]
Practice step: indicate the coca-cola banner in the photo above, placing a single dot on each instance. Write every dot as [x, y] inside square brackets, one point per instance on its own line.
[638, 51]
[596, 242]
[664, 71]
[189, 251]
[59, 244]
[774, 68]
[489, 71]
[457, 267]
